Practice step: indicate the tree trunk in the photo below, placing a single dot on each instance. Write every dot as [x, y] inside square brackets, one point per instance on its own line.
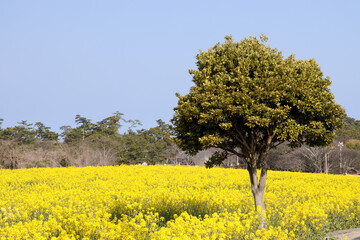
[258, 190]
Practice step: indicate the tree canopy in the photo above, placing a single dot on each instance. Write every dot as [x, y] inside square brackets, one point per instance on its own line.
[150, 146]
[27, 133]
[108, 127]
[350, 129]
[247, 98]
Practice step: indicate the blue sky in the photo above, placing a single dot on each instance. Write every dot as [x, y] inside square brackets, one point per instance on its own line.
[62, 58]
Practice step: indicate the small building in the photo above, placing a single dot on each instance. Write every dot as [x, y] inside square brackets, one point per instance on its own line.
[352, 171]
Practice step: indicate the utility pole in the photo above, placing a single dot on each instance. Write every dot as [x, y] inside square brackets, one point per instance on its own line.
[326, 158]
[341, 144]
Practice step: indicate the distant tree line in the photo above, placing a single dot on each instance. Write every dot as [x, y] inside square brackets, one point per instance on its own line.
[342, 156]
[87, 144]
[100, 144]
[338, 158]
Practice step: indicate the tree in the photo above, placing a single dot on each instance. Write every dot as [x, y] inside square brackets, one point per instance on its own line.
[317, 158]
[151, 146]
[66, 129]
[350, 130]
[85, 125]
[346, 158]
[158, 141]
[22, 134]
[353, 144]
[248, 99]
[285, 158]
[72, 135]
[43, 133]
[110, 125]
[133, 149]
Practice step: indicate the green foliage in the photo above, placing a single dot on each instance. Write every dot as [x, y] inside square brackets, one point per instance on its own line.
[28, 133]
[216, 159]
[150, 146]
[23, 133]
[133, 149]
[43, 133]
[108, 127]
[350, 129]
[71, 135]
[87, 144]
[247, 99]
[353, 144]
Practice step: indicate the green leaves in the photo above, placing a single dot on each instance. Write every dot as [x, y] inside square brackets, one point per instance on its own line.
[150, 146]
[28, 133]
[247, 88]
[210, 140]
[108, 127]
[216, 159]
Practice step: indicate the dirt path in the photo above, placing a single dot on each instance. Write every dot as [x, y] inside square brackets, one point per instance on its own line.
[349, 234]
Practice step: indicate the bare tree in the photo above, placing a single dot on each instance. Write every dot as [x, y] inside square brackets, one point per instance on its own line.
[349, 159]
[316, 157]
[9, 154]
[285, 158]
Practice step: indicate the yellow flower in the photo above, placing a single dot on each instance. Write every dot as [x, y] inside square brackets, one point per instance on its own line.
[156, 202]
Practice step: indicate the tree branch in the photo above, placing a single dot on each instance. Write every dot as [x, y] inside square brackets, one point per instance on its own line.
[242, 136]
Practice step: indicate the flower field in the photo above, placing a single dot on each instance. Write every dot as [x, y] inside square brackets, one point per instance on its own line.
[165, 202]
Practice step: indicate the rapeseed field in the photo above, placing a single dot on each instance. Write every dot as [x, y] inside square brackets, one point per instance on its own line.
[166, 202]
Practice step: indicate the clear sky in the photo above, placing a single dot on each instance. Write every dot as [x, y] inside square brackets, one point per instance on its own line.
[62, 58]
